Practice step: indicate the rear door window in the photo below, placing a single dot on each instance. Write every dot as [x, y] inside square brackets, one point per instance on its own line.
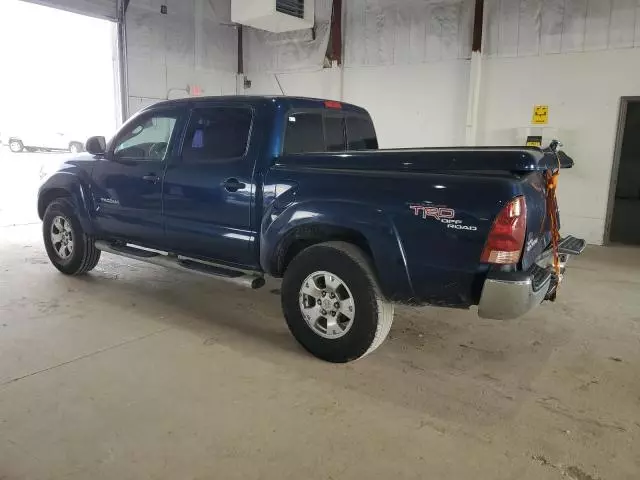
[217, 134]
[304, 133]
[334, 134]
[360, 133]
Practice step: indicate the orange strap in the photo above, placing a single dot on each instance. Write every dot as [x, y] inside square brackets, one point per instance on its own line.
[552, 212]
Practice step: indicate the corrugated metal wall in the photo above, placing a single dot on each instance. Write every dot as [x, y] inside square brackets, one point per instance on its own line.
[387, 32]
[95, 8]
[536, 27]
[390, 32]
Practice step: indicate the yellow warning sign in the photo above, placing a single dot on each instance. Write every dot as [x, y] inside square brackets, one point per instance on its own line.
[534, 141]
[540, 115]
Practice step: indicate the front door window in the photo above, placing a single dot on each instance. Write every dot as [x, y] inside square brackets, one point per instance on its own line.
[147, 139]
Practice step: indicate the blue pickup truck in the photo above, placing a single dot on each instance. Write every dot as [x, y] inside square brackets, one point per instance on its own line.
[237, 188]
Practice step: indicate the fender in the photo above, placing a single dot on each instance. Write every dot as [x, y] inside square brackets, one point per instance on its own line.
[73, 183]
[298, 220]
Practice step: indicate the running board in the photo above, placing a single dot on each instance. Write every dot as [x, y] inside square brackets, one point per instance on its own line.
[185, 264]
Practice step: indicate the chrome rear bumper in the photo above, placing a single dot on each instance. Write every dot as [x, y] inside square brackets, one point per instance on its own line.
[509, 295]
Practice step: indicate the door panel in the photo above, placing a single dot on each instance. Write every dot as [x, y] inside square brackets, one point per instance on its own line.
[208, 195]
[129, 203]
[127, 184]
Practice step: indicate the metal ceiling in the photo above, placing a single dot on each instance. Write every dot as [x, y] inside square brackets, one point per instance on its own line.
[107, 9]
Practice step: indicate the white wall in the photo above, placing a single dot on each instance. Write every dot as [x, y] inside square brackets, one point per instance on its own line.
[583, 92]
[413, 105]
[190, 45]
[406, 62]
[323, 83]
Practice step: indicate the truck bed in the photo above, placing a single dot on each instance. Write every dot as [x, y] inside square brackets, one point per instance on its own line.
[482, 159]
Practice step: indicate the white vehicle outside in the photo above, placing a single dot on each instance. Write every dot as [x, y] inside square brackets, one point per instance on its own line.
[42, 140]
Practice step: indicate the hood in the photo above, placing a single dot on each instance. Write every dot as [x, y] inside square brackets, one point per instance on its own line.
[53, 163]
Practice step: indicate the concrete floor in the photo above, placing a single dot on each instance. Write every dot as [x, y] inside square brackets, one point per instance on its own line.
[135, 372]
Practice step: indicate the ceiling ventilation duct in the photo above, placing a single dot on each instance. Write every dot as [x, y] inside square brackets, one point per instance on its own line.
[274, 15]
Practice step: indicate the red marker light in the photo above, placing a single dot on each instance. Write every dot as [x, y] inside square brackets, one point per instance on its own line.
[195, 90]
[333, 104]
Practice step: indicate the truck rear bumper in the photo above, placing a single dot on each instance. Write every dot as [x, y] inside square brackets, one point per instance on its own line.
[509, 295]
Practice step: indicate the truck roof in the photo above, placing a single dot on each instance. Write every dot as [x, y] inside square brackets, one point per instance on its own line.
[280, 101]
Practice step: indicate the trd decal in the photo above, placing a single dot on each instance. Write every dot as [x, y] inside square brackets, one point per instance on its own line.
[443, 215]
[435, 212]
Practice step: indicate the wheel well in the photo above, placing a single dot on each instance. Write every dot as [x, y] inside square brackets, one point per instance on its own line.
[48, 197]
[305, 237]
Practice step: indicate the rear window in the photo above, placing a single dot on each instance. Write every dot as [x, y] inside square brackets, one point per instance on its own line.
[334, 140]
[304, 133]
[360, 133]
[216, 134]
[322, 131]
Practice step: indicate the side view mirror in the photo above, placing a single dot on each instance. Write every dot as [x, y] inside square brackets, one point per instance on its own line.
[96, 146]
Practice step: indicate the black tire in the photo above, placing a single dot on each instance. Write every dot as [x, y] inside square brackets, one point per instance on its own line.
[84, 256]
[15, 146]
[373, 313]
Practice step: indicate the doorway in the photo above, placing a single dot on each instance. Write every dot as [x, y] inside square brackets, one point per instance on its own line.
[624, 204]
[57, 88]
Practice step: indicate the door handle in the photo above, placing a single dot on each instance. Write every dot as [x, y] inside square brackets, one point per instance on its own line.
[151, 178]
[233, 185]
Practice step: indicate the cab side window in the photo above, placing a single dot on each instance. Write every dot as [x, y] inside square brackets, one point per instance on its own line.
[304, 133]
[334, 130]
[217, 134]
[361, 134]
[328, 131]
[148, 139]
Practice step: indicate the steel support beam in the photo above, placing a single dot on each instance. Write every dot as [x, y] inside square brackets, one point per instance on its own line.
[475, 75]
[335, 42]
[121, 45]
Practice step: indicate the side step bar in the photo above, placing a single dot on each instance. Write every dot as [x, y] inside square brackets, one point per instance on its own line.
[185, 264]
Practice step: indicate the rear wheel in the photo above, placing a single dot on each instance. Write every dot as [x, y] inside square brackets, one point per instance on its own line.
[332, 302]
[15, 146]
[69, 248]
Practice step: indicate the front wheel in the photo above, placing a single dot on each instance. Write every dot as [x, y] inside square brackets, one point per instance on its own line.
[15, 146]
[75, 147]
[332, 302]
[69, 248]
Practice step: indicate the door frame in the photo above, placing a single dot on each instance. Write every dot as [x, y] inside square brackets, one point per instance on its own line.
[121, 64]
[617, 152]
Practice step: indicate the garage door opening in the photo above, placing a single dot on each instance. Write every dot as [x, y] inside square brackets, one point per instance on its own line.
[625, 215]
[57, 88]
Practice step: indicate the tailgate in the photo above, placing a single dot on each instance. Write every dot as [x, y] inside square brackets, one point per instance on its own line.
[538, 236]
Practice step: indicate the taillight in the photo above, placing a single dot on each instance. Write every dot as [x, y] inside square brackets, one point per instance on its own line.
[506, 237]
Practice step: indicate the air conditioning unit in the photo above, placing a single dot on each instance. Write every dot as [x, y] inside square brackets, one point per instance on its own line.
[274, 15]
